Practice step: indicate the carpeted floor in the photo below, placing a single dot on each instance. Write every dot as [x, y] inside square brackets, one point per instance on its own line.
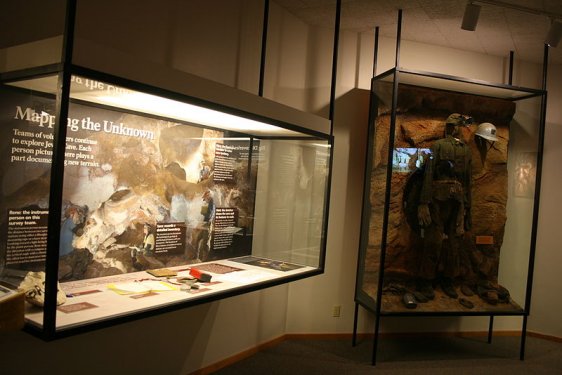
[442, 355]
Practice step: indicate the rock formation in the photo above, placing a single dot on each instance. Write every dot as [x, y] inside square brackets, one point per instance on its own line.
[420, 120]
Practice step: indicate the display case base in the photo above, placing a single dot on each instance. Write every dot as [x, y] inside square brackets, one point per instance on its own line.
[100, 300]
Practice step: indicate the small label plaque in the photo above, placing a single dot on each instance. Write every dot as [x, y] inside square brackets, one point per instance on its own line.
[484, 240]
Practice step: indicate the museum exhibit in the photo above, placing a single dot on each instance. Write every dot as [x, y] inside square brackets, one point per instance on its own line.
[436, 196]
[161, 195]
[281, 186]
[158, 196]
[423, 147]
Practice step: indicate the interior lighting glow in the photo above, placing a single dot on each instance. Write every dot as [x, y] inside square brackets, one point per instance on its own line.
[156, 105]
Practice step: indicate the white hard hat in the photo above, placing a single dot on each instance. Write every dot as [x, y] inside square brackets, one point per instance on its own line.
[487, 131]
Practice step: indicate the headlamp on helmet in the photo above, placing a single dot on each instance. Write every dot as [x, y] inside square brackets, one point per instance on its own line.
[457, 119]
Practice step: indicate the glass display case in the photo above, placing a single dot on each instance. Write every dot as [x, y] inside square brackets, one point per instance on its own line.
[121, 199]
[450, 199]
[451, 194]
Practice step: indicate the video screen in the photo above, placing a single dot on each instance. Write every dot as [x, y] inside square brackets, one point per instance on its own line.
[408, 159]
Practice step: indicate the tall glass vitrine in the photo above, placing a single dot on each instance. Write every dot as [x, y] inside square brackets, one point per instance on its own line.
[451, 196]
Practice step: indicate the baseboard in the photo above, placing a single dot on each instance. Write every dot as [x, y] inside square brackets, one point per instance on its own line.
[349, 336]
[238, 357]
[361, 336]
[544, 337]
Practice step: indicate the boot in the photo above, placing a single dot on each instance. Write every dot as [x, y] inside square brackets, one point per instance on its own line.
[467, 290]
[426, 288]
[448, 288]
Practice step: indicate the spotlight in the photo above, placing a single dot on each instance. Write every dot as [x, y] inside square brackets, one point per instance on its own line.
[554, 34]
[470, 18]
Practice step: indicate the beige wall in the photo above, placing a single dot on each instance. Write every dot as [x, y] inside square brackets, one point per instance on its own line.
[545, 306]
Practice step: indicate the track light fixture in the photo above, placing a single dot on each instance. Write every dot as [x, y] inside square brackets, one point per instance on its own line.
[470, 18]
[472, 12]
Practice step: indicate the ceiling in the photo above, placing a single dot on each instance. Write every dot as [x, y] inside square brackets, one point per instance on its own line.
[499, 31]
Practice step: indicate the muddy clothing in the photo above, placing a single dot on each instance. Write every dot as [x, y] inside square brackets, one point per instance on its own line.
[441, 244]
[450, 161]
[446, 191]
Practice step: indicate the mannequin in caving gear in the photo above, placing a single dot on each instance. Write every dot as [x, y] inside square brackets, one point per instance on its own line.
[444, 209]
[486, 280]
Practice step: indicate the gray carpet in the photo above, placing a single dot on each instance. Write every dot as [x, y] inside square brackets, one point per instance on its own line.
[451, 355]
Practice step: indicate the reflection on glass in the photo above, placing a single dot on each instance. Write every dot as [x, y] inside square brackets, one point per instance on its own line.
[525, 173]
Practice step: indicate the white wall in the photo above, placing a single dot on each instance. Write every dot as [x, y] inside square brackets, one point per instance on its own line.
[217, 40]
[546, 307]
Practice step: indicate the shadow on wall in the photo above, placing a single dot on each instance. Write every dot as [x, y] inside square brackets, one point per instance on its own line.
[311, 100]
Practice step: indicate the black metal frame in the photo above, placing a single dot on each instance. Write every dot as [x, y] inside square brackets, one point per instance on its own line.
[65, 70]
[374, 306]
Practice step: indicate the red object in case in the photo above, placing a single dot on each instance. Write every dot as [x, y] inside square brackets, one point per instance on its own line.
[201, 276]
